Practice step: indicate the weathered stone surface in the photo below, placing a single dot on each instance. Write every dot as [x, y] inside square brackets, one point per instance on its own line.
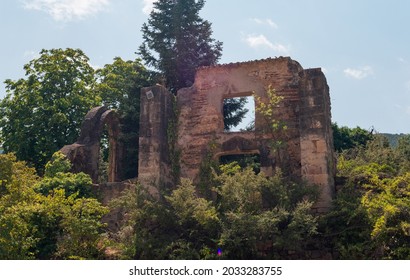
[305, 110]
[154, 158]
[84, 154]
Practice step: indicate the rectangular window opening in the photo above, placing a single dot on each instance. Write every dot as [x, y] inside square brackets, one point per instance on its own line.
[239, 114]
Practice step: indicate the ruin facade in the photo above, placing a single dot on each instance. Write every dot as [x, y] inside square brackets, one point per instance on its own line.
[85, 153]
[191, 126]
[305, 109]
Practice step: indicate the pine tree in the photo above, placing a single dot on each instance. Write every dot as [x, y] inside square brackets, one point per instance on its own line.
[176, 41]
[234, 111]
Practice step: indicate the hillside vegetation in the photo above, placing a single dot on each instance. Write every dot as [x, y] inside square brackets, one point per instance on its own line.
[245, 216]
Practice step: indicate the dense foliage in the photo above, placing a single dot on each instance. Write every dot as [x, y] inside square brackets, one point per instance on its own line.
[50, 218]
[244, 216]
[44, 111]
[176, 41]
[233, 212]
[370, 219]
[250, 217]
[347, 138]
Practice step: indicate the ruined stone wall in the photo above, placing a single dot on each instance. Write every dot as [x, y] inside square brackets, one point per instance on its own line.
[318, 160]
[155, 113]
[85, 152]
[305, 110]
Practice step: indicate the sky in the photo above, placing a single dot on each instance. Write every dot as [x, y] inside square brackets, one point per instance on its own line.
[363, 47]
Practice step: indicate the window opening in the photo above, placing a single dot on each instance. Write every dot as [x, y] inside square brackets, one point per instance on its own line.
[239, 114]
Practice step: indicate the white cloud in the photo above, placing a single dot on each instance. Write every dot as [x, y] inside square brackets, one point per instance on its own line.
[269, 22]
[258, 21]
[148, 6]
[67, 10]
[258, 41]
[272, 24]
[358, 73]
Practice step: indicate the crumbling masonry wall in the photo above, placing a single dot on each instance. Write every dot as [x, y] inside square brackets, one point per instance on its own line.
[84, 154]
[305, 109]
[154, 164]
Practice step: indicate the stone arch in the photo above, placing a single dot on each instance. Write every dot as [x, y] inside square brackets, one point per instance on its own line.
[84, 154]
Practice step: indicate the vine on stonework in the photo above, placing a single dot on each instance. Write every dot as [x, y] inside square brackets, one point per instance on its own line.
[174, 151]
[275, 127]
[206, 171]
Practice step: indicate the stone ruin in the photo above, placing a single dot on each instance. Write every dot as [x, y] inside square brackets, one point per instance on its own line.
[197, 112]
[84, 154]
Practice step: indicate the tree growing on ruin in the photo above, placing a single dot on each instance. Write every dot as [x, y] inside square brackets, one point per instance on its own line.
[176, 41]
[273, 124]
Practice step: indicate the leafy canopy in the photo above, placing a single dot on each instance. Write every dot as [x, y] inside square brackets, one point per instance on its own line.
[248, 212]
[345, 138]
[44, 111]
[52, 225]
[371, 210]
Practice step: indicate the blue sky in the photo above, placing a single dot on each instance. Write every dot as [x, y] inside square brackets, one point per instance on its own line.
[362, 46]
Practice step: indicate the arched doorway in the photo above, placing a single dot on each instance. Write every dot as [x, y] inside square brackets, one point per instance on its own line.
[84, 154]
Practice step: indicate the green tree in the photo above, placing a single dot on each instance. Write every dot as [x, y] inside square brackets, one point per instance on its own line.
[46, 226]
[44, 111]
[57, 164]
[269, 109]
[81, 227]
[370, 215]
[119, 86]
[196, 222]
[234, 111]
[16, 181]
[262, 217]
[387, 204]
[345, 138]
[403, 153]
[147, 227]
[176, 41]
